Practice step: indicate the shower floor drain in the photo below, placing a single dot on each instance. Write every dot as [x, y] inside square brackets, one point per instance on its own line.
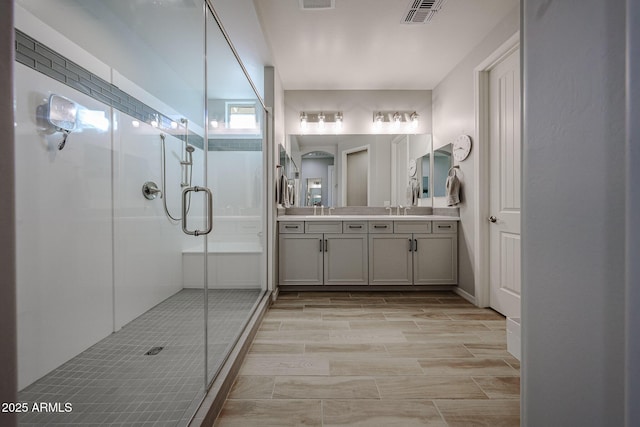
[154, 351]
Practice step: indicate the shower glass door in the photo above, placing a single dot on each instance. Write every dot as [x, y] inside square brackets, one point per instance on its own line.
[235, 270]
[110, 322]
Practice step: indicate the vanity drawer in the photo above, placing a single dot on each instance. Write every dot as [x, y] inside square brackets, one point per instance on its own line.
[323, 227]
[354, 227]
[412, 227]
[290, 227]
[445, 226]
[380, 226]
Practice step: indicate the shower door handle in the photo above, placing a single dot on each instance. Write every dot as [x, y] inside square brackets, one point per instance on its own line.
[209, 195]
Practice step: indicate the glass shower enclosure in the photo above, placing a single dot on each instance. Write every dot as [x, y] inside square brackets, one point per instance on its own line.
[141, 208]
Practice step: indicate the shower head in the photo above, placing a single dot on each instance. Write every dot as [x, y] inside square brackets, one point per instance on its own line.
[190, 148]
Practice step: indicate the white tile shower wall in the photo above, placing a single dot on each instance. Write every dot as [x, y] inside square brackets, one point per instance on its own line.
[147, 244]
[236, 180]
[64, 233]
[67, 277]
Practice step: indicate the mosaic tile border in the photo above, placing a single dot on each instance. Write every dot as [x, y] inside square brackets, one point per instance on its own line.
[45, 60]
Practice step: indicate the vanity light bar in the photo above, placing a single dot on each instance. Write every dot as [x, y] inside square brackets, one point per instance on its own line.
[321, 116]
[380, 117]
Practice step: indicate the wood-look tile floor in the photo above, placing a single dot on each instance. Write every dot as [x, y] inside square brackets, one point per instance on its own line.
[376, 359]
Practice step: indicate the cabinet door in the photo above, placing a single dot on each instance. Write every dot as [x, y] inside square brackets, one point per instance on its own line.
[345, 259]
[435, 259]
[390, 259]
[300, 259]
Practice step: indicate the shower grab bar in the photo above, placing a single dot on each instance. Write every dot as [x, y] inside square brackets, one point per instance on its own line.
[209, 210]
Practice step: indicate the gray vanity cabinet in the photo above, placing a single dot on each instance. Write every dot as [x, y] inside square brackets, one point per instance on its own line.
[390, 259]
[301, 259]
[379, 252]
[435, 259]
[308, 257]
[414, 254]
[345, 259]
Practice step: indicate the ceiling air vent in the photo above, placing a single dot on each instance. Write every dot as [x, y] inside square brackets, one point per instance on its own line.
[317, 4]
[421, 11]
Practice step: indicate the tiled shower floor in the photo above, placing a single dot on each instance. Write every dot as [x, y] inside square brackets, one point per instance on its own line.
[115, 383]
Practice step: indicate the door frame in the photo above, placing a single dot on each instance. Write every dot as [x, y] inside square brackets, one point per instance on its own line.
[343, 184]
[481, 165]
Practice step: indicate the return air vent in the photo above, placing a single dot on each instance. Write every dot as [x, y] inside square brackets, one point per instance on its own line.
[422, 11]
[317, 4]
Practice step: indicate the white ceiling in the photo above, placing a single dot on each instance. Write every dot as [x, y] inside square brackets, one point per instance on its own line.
[361, 44]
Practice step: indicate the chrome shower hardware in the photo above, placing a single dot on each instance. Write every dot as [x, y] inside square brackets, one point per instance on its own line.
[186, 165]
[150, 190]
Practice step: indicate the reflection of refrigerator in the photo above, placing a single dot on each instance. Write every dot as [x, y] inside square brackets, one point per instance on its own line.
[314, 192]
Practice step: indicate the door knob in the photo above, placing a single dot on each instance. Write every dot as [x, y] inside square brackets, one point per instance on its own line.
[493, 218]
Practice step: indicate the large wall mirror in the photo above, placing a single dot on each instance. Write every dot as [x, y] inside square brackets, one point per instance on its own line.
[362, 170]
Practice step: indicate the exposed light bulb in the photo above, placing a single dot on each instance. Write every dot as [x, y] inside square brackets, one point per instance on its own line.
[321, 120]
[174, 125]
[338, 121]
[303, 120]
[135, 123]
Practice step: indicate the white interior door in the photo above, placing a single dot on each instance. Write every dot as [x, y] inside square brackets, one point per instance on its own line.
[505, 175]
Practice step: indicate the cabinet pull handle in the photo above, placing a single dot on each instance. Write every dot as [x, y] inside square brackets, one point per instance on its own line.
[410, 246]
[326, 245]
[380, 226]
[321, 248]
[444, 226]
[291, 226]
[415, 242]
[355, 226]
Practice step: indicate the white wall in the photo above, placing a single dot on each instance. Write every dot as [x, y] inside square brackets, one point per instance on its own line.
[453, 115]
[147, 244]
[241, 23]
[149, 55]
[573, 318]
[64, 233]
[236, 180]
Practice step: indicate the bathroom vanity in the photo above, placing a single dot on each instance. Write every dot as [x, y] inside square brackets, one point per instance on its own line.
[368, 250]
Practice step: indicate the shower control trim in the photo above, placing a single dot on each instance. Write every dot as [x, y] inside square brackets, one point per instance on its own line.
[150, 190]
[209, 195]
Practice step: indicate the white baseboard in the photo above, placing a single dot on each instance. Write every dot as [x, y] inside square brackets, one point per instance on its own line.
[466, 295]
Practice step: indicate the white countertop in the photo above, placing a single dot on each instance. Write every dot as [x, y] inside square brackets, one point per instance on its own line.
[367, 218]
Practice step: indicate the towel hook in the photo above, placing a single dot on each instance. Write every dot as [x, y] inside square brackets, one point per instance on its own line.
[453, 168]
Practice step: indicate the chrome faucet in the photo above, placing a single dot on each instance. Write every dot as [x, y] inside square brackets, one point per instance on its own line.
[390, 209]
[406, 208]
[321, 210]
[330, 209]
[398, 209]
[314, 210]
